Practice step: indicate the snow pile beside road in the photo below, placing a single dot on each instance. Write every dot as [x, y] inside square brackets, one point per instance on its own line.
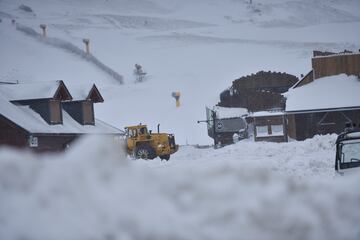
[95, 192]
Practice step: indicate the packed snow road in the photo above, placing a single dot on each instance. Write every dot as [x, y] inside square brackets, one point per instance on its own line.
[244, 191]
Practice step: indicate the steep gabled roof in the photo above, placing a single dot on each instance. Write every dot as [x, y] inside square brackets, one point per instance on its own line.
[35, 90]
[94, 95]
[32, 122]
[29, 120]
[334, 92]
[85, 91]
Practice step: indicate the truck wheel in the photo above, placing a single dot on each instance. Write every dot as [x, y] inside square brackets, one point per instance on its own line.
[145, 152]
[165, 157]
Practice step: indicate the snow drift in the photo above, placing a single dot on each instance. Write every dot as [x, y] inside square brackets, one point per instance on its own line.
[95, 192]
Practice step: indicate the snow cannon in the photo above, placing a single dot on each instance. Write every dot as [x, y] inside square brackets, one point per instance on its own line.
[43, 27]
[176, 95]
[87, 45]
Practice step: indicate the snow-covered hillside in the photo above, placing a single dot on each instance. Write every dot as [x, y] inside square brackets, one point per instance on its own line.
[249, 190]
[195, 47]
[245, 191]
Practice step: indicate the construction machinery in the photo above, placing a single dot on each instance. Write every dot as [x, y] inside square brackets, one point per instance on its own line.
[348, 150]
[144, 144]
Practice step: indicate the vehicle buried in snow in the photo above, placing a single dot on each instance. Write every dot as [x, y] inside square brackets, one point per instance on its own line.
[144, 144]
[348, 151]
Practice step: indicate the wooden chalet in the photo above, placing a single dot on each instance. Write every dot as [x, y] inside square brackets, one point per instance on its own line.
[46, 116]
[327, 99]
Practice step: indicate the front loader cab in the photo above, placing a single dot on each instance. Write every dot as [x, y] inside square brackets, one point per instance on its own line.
[348, 151]
[135, 131]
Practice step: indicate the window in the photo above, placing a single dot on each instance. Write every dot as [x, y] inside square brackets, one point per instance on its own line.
[350, 151]
[88, 113]
[277, 130]
[55, 112]
[270, 130]
[262, 131]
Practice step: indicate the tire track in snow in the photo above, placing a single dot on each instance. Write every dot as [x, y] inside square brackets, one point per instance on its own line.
[69, 47]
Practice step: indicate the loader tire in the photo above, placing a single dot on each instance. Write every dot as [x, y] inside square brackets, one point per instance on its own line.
[145, 152]
[165, 157]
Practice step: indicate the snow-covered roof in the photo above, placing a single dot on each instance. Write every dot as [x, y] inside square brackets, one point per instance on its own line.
[32, 122]
[266, 113]
[336, 54]
[227, 112]
[83, 91]
[340, 91]
[33, 90]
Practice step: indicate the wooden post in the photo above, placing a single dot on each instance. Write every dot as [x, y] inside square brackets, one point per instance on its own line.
[87, 45]
[43, 27]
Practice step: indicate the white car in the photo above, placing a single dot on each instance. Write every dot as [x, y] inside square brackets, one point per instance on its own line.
[348, 151]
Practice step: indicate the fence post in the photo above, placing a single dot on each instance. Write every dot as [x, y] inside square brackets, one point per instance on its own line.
[87, 45]
[43, 27]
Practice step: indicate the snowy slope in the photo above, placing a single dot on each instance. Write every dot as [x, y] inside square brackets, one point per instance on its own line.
[195, 47]
[245, 191]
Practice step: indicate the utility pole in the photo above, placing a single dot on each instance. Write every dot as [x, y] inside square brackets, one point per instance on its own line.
[213, 119]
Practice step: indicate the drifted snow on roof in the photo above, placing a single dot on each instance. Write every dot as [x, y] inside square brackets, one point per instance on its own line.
[82, 91]
[228, 112]
[32, 122]
[45, 90]
[33, 90]
[340, 91]
[266, 113]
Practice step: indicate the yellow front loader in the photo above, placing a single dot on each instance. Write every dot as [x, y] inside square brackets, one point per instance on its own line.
[144, 144]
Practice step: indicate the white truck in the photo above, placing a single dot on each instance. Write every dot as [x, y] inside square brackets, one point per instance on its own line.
[348, 151]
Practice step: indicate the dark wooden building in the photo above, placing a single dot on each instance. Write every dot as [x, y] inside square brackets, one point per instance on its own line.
[327, 99]
[269, 126]
[45, 116]
[306, 124]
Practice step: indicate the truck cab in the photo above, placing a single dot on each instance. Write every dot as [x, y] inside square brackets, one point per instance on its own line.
[348, 151]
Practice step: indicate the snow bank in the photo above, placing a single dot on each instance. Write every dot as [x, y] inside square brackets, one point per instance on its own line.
[95, 192]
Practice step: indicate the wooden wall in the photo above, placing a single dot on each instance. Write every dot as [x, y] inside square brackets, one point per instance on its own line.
[336, 64]
[307, 125]
[53, 143]
[258, 92]
[268, 121]
[12, 135]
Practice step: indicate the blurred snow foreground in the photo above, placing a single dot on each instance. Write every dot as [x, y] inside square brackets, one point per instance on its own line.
[94, 191]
